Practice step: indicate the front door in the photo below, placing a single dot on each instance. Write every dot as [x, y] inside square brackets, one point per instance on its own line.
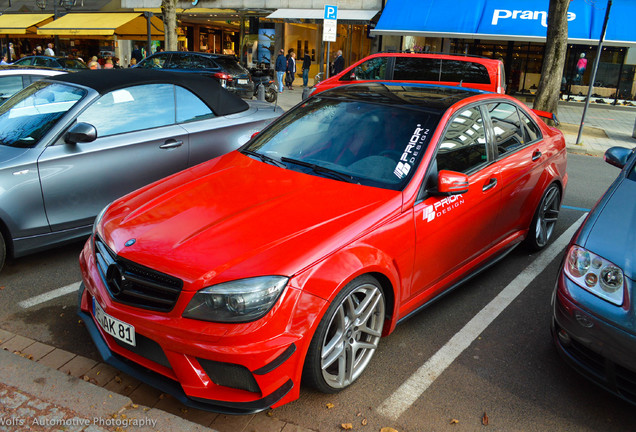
[137, 143]
[453, 231]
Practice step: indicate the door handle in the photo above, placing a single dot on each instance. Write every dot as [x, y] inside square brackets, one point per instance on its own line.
[491, 184]
[170, 144]
[536, 155]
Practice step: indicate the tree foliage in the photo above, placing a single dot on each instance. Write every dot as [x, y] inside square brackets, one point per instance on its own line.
[548, 92]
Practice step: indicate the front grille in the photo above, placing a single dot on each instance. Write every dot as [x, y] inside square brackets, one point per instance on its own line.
[135, 285]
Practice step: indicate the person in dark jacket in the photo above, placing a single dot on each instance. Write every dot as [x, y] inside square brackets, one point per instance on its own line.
[306, 66]
[291, 70]
[338, 63]
[281, 68]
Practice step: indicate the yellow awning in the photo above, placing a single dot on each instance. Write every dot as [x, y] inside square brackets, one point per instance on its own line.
[22, 23]
[123, 25]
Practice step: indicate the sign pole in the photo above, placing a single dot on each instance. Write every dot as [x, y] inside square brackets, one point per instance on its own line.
[330, 30]
[328, 51]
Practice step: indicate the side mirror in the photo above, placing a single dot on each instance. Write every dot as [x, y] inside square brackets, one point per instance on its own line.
[81, 133]
[451, 183]
[617, 156]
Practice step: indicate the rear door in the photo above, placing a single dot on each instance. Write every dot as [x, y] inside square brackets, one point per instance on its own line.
[138, 142]
[519, 155]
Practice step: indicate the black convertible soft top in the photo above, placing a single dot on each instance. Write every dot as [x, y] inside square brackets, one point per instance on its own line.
[220, 101]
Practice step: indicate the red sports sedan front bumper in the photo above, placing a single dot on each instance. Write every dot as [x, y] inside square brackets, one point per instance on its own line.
[229, 368]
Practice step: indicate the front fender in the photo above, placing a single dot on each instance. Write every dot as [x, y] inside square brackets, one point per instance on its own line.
[386, 253]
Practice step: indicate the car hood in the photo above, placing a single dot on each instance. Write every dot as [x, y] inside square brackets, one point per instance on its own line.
[612, 233]
[235, 217]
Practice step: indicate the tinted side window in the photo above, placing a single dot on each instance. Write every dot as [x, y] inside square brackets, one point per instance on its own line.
[154, 62]
[466, 71]
[10, 85]
[416, 69]
[506, 126]
[181, 61]
[531, 130]
[132, 109]
[373, 69]
[463, 147]
[190, 107]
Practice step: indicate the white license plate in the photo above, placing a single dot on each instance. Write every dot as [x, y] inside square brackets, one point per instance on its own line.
[242, 82]
[114, 327]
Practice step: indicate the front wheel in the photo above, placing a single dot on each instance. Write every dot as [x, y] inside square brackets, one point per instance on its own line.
[545, 219]
[271, 95]
[346, 337]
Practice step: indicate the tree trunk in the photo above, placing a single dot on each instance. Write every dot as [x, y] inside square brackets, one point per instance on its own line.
[169, 11]
[548, 92]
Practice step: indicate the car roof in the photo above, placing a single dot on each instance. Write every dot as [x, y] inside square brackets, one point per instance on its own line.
[198, 53]
[209, 90]
[444, 56]
[415, 95]
[30, 69]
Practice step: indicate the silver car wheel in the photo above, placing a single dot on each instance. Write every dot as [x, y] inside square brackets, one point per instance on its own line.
[547, 216]
[352, 336]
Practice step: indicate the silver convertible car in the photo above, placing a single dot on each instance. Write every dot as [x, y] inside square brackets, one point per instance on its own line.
[71, 144]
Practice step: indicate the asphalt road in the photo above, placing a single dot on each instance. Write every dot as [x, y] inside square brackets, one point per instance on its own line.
[508, 372]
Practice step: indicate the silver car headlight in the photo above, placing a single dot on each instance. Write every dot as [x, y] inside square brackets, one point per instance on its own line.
[595, 274]
[242, 300]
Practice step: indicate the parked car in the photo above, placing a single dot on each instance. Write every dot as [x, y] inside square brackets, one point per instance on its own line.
[72, 143]
[227, 283]
[64, 63]
[594, 318]
[447, 69]
[224, 68]
[15, 78]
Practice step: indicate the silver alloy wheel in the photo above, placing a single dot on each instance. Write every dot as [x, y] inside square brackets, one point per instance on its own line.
[352, 336]
[547, 216]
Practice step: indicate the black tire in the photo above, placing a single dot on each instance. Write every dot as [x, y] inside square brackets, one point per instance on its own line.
[545, 218]
[346, 338]
[270, 95]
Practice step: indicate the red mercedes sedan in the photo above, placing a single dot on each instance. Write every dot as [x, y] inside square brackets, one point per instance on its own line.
[230, 283]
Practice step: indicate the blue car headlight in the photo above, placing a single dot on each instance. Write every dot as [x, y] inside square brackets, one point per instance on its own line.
[242, 300]
[595, 274]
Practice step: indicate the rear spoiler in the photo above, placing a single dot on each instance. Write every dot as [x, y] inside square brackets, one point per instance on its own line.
[547, 115]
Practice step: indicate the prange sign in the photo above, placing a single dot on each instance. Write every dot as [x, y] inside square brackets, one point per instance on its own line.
[506, 19]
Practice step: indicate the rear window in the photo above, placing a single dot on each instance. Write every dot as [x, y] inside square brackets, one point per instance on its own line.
[230, 65]
[430, 69]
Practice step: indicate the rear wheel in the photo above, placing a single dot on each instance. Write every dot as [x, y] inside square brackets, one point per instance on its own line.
[347, 336]
[545, 219]
[270, 95]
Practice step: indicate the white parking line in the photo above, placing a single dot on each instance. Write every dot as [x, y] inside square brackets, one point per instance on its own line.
[396, 404]
[42, 298]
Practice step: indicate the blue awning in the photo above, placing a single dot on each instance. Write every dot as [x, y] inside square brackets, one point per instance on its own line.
[519, 20]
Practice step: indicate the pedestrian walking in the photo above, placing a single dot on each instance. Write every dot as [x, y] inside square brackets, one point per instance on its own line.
[338, 63]
[291, 70]
[306, 66]
[281, 68]
[49, 50]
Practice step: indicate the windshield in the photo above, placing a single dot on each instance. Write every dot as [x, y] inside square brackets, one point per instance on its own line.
[30, 114]
[367, 143]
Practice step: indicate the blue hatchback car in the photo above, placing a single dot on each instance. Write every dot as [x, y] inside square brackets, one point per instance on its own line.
[594, 318]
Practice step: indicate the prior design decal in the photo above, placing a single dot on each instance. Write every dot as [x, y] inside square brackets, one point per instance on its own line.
[413, 148]
[443, 206]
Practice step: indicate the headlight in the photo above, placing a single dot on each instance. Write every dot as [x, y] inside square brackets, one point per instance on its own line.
[241, 300]
[595, 274]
